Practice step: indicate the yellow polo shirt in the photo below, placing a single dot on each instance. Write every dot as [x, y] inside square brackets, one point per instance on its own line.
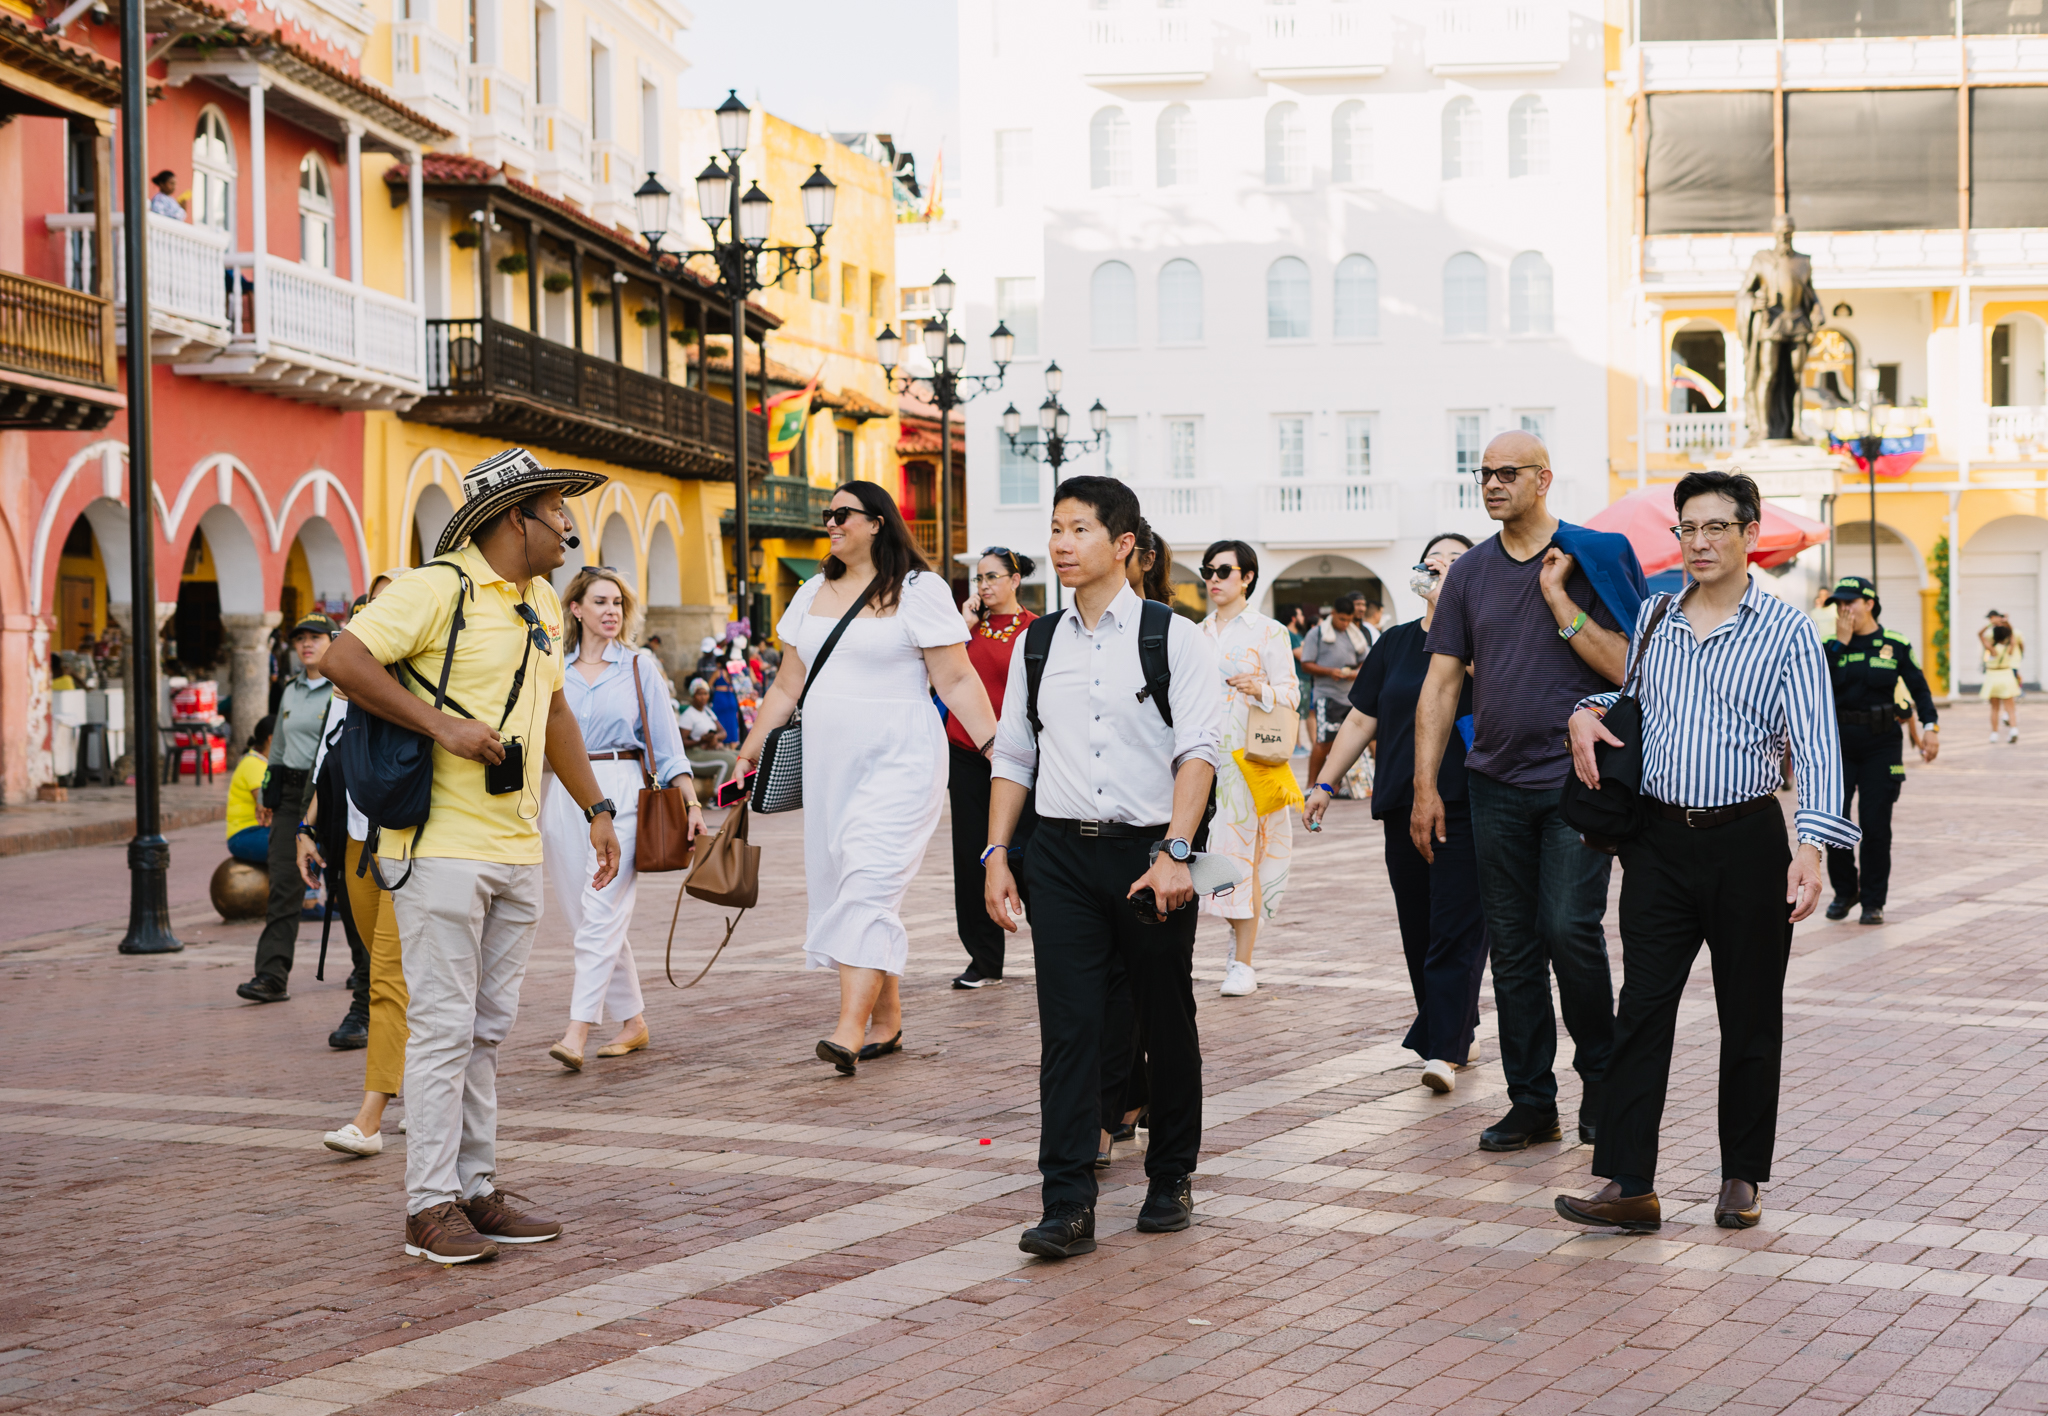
[409, 621]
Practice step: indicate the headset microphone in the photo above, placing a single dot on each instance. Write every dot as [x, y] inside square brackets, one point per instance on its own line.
[570, 542]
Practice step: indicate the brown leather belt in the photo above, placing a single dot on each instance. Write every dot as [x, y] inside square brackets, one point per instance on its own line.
[1701, 817]
[624, 754]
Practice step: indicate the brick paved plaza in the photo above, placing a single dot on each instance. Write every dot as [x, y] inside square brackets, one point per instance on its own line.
[749, 1232]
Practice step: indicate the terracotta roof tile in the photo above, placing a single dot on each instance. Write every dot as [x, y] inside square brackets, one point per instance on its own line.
[60, 61]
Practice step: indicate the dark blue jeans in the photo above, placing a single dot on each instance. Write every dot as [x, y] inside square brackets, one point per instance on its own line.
[1544, 893]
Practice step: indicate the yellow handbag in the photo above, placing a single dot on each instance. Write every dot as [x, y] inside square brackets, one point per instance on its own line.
[1273, 788]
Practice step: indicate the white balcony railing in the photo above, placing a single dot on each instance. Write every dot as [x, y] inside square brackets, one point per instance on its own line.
[1183, 512]
[187, 275]
[1353, 512]
[1708, 433]
[1498, 36]
[1140, 47]
[1911, 62]
[428, 69]
[500, 116]
[1331, 39]
[561, 152]
[2016, 429]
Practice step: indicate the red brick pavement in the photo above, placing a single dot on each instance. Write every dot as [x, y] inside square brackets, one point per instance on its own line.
[179, 1239]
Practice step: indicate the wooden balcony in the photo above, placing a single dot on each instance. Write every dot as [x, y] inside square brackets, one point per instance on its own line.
[925, 534]
[497, 380]
[783, 506]
[56, 356]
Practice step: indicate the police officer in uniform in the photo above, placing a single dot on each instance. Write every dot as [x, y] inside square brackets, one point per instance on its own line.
[1867, 663]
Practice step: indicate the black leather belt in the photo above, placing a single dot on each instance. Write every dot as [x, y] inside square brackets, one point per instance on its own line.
[1102, 828]
[1867, 717]
[1701, 817]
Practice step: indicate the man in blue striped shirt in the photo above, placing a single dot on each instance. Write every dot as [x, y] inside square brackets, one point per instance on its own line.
[1728, 678]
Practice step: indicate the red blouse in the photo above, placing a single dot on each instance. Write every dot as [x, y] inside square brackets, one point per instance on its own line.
[989, 648]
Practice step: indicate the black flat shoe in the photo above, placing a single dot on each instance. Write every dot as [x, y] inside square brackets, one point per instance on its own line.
[1127, 1132]
[838, 1056]
[1067, 1229]
[1521, 1128]
[1169, 1207]
[1103, 1156]
[882, 1049]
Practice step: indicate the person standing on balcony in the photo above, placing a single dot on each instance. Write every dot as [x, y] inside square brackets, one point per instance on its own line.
[165, 202]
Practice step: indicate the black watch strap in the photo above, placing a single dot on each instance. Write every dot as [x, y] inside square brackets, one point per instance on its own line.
[602, 805]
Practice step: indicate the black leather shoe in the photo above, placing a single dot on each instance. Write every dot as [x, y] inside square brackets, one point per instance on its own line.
[1838, 908]
[1169, 1207]
[1872, 914]
[1588, 1132]
[262, 990]
[353, 1033]
[1521, 1128]
[1127, 1132]
[1067, 1229]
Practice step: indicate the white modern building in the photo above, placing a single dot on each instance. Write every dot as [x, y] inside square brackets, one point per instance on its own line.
[1309, 255]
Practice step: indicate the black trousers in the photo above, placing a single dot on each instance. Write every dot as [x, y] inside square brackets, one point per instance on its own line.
[1724, 884]
[1443, 933]
[1089, 942]
[967, 788]
[274, 947]
[1870, 765]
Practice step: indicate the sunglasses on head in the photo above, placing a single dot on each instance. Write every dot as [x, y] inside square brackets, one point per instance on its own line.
[839, 515]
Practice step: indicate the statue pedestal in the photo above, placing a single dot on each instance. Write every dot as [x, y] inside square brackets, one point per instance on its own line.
[1798, 474]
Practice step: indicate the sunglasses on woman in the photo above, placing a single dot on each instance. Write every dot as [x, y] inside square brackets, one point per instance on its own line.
[838, 515]
[1218, 572]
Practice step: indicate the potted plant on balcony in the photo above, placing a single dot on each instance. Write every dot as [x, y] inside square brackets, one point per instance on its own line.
[466, 237]
[514, 264]
[647, 316]
[683, 336]
[556, 281]
[600, 297]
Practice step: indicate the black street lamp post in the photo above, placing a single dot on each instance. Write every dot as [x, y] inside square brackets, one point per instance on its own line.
[738, 259]
[947, 387]
[1871, 444]
[1055, 448]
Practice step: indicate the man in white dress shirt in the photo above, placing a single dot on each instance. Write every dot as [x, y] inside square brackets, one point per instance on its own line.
[1116, 777]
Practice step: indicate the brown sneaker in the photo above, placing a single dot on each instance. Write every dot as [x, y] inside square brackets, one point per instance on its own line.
[496, 1219]
[445, 1235]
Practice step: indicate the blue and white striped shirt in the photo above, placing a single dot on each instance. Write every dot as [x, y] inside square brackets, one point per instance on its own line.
[1719, 712]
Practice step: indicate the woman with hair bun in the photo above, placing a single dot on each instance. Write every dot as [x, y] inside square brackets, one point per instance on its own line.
[995, 618]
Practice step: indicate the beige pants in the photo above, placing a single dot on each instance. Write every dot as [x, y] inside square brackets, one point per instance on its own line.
[465, 928]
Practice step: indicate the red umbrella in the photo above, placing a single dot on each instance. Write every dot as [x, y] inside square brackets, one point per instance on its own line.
[1646, 518]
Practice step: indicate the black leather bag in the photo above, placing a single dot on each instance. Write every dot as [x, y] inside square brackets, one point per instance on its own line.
[1609, 818]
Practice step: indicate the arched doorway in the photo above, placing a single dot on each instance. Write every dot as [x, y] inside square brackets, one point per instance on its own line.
[1314, 582]
[1702, 346]
[665, 602]
[1899, 575]
[430, 517]
[2019, 362]
[2000, 569]
[242, 665]
[616, 549]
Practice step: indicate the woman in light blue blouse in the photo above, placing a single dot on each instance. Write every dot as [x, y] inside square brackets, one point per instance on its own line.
[599, 686]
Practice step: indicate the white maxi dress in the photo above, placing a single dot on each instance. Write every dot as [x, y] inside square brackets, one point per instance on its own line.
[874, 768]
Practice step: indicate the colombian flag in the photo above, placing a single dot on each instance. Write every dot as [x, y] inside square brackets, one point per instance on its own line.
[787, 414]
[1895, 456]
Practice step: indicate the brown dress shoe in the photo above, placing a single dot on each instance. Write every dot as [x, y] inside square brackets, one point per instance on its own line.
[495, 1218]
[1738, 1206]
[445, 1235]
[1608, 1210]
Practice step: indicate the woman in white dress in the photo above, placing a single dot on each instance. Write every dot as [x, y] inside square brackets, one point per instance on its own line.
[1257, 662]
[874, 752]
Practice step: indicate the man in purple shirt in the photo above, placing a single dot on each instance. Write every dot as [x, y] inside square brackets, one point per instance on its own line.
[1523, 614]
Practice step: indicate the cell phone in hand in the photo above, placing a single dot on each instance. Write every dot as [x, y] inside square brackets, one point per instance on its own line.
[735, 791]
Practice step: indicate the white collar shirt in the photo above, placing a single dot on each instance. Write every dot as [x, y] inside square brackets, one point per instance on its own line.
[608, 711]
[1105, 754]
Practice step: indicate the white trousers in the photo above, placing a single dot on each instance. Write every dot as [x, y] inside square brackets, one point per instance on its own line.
[606, 979]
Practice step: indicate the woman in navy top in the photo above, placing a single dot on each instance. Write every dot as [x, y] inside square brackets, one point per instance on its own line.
[1442, 931]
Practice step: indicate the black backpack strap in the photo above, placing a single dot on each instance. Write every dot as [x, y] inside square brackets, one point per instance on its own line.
[1154, 621]
[1037, 644]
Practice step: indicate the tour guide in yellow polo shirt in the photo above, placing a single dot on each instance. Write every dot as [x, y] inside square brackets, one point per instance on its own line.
[467, 916]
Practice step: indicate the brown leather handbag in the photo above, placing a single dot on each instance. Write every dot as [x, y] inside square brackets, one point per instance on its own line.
[727, 872]
[663, 841]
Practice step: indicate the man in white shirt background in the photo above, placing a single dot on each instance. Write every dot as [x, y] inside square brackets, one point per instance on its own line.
[1116, 777]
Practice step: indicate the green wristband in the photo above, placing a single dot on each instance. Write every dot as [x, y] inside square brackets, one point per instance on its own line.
[1578, 623]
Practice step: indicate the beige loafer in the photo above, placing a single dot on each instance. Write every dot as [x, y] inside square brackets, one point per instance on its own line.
[620, 1049]
[572, 1060]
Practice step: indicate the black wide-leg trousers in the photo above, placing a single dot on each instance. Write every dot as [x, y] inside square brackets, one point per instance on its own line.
[1089, 943]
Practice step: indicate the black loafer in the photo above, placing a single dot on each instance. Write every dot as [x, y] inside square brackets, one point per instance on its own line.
[1588, 1133]
[262, 990]
[353, 1033]
[882, 1049]
[1838, 908]
[1521, 1128]
[1872, 914]
[1169, 1207]
[1067, 1229]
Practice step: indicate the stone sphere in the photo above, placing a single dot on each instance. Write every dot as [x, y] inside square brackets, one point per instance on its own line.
[240, 891]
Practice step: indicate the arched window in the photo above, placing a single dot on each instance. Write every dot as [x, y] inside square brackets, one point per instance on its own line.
[1464, 295]
[1529, 294]
[1176, 146]
[1286, 146]
[1109, 149]
[1358, 298]
[213, 173]
[1180, 303]
[316, 214]
[1350, 144]
[1113, 306]
[1287, 299]
[1529, 138]
[1461, 139]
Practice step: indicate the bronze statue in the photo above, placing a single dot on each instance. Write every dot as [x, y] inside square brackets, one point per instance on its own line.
[1777, 312]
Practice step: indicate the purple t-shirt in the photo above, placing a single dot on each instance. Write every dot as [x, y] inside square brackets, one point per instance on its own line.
[1525, 680]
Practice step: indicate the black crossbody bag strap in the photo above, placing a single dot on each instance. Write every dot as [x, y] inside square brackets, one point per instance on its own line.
[811, 675]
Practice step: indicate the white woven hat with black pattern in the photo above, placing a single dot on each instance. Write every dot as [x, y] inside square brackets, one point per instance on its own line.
[504, 481]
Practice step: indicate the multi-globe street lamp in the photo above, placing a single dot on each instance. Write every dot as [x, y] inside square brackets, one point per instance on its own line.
[1055, 448]
[946, 387]
[738, 259]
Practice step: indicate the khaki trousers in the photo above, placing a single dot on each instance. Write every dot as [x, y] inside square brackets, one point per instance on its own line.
[377, 925]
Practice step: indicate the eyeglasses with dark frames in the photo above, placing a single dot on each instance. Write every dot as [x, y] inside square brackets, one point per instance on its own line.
[1505, 475]
[1715, 530]
[840, 515]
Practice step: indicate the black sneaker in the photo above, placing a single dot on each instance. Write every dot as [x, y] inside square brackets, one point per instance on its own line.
[975, 978]
[1872, 914]
[1521, 1128]
[1838, 908]
[1067, 1229]
[354, 1031]
[262, 990]
[1169, 1207]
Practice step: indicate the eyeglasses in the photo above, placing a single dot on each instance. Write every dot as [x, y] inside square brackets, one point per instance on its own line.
[535, 633]
[1505, 475]
[838, 515]
[1715, 530]
[992, 577]
[1217, 572]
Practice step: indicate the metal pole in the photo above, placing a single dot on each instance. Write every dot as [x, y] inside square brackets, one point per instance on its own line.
[943, 387]
[1871, 467]
[736, 283]
[149, 856]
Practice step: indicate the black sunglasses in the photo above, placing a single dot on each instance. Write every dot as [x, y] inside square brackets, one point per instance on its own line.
[839, 515]
[535, 632]
[1217, 572]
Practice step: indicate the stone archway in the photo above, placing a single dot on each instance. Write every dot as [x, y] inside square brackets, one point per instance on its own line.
[2001, 568]
[246, 618]
[430, 517]
[665, 601]
[1311, 582]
